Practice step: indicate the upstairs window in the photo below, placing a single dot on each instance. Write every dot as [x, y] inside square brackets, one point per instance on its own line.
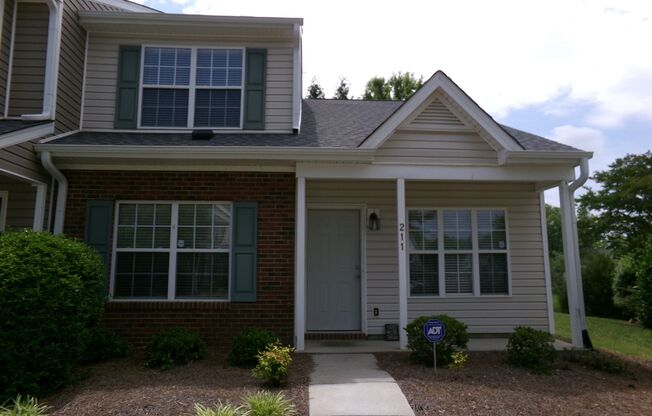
[192, 87]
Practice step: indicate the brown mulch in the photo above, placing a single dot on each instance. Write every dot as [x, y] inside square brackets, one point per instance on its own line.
[488, 386]
[124, 387]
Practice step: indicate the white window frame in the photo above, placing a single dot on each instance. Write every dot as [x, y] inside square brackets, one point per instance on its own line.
[4, 197]
[475, 253]
[173, 251]
[191, 87]
[430, 252]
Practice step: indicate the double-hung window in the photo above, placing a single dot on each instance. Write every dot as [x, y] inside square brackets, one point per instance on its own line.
[172, 251]
[458, 252]
[192, 87]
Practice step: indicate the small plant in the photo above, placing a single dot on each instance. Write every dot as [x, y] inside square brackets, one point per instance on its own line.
[455, 340]
[596, 360]
[247, 346]
[459, 360]
[264, 403]
[273, 364]
[532, 349]
[176, 346]
[104, 345]
[220, 409]
[27, 406]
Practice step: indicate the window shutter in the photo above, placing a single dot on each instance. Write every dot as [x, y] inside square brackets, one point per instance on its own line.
[126, 103]
[97, 231]
[243, 270]
[255, 89]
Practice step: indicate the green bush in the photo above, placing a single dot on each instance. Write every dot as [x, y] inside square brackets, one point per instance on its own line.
[456, 338]
[264, 403]
[248, 344]
[52, 291]
[598, 269]
[459, 360]
[532, 349]
[219, 410]
[624, 287]
[596, 360]
[104, 345]
[273, 364]
[27, 406]
[175, 346]
[644, 285]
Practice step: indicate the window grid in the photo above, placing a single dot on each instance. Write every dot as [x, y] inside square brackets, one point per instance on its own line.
[423, 253]
[458, 251]
[494, 276]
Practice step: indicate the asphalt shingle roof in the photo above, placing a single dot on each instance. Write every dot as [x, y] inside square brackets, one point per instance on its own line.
[325, 124]
[10, 126]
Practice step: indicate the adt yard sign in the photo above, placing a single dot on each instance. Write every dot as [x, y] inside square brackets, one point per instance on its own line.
[434, 331]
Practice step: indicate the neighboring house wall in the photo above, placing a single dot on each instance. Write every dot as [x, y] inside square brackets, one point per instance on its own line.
[20, 207]
[30, 46]
[102, 68]
[5, 45]
[526, 306]
[21, 159]
[217, 321]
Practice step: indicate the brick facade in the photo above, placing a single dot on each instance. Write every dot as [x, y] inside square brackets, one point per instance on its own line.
[218, 322]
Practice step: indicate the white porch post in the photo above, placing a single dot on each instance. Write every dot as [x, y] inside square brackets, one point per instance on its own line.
[300, 267]
[402, 261]
[39, 206]
[571, 263]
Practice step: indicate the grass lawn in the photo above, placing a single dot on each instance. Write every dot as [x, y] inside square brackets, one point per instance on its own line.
[612, 335]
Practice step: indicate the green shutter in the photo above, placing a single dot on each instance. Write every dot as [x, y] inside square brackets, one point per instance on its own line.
[126, 103]
[97, 232]
[255, 89]
[243, 264]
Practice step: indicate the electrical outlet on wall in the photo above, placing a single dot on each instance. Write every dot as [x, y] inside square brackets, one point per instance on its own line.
[376, 312]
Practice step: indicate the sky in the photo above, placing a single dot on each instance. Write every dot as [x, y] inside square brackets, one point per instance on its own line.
[579, 72]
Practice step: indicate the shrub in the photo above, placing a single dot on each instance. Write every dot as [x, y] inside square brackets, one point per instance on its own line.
[459, 360]
[51, 294]
[27, 406]
[219, 410]
[455, 339]
[104, 345]
[644, 284]
[273, 364]
[175, 346]
[596, 360]
[248, 344]
[598, 269]
[264, 403]
[624, 286]
[532, 349]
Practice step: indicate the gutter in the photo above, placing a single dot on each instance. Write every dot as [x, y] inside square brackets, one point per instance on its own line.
[510, 157]
[62, 192]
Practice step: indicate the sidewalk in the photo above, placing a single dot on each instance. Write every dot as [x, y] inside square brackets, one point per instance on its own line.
[353, 385]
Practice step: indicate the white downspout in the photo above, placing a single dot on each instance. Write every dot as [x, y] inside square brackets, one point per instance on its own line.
[62, 192]
[298, 75]
[51, 64]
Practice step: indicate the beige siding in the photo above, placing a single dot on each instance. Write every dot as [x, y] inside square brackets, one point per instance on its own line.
[20, 206]
[526, 306]
[21, 159]
[101, 79]
[28, 72]
[5, 45]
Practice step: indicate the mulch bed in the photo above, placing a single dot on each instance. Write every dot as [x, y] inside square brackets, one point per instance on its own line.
[488, 386]
[125, 387]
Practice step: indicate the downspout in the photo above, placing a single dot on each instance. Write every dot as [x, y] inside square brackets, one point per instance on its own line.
[298, 75]
[62, 191]
[51, 64]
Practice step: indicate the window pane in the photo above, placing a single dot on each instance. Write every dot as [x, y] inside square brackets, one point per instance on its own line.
[491, 230]
[424, 274]
[219, 67]
[457, 230]
[493, 274]
[126, 236]
[164, 107]
[166, 66]
[217, 108]
[202, 275]
[127, 214]
[143, 275]
[422, 229]
[204, 226]
[459, 273]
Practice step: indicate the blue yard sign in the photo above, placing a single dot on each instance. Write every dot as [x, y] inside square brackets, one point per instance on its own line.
[434, 331]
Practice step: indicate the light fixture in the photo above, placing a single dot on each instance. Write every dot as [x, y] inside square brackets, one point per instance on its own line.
[373, 219]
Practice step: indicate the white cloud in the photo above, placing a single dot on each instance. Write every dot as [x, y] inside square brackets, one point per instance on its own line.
[584, 138]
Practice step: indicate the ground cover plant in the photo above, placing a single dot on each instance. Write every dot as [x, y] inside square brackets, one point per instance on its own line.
[532, 349]
[174, 346]
[273, 364]
[248, 344]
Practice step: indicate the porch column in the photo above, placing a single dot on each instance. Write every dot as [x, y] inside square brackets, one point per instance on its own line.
[39, 206]
[402, 262]
[572, 264]
[300, 266]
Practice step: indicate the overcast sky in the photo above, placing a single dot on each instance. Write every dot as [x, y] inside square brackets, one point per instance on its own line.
[579, 72]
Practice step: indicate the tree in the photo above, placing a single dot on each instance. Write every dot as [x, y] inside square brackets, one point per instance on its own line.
[342, 90]
[377, 89]
[404, 85]
[624, 202]
[315, 91]
[644, 284]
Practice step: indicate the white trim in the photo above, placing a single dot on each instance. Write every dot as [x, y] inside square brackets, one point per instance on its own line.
[439, 81]
[298, 75]
[507, 157]
[186, 167]
[26, 134]
[546, 263]
[401, 240]
[4, 199]
[10, 63]
[566, 205]
[2, 20]
[89, 18]
[85, 73]
[39, 207]
[32, 180]
[300, 266]
[62, 192]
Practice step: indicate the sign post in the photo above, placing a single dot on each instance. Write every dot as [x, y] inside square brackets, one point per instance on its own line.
[434, 331]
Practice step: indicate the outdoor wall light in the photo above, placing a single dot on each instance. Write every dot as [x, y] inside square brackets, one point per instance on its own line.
[373, 222]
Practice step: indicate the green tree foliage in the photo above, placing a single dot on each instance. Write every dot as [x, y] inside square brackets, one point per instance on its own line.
[342, 90]
[598, 268]
[624, 286]
[404, 85]
[644, 283]
[377, 89]
[315, 91]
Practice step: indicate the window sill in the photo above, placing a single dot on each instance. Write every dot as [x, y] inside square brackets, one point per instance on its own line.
[462, 296]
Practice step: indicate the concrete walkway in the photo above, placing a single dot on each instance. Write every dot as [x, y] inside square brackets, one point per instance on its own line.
[353, 385]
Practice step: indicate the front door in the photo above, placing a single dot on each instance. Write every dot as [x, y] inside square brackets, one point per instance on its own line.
[333, 270]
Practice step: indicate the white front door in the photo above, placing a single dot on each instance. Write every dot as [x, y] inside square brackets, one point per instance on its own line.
[333, 270]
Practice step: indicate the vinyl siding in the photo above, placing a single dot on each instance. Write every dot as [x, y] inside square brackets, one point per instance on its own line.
[102, 67]
[30, 46]
[526, 306]
[5, 45]
[21, 159]
[20, 207]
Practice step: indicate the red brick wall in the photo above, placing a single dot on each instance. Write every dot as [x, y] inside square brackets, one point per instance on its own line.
[218, 322]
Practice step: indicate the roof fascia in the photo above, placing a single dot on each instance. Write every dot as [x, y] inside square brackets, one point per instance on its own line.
[26, 134]
[507, 157]
[129, 5]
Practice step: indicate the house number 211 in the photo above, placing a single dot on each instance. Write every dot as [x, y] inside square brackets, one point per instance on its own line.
[401, 233]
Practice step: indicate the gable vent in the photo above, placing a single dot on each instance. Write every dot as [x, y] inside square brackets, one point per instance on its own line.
[437, 114]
